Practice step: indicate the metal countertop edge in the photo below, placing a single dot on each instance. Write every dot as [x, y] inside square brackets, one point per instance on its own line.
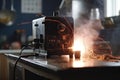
[15, 51]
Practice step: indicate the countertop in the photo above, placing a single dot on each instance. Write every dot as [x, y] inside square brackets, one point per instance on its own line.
[74, 68]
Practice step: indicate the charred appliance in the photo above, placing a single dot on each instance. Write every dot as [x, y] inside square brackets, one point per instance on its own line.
[53, 34]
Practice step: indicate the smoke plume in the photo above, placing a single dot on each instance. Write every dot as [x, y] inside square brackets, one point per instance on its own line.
[87, 31]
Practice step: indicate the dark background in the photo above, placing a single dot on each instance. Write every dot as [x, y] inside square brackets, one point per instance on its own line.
[48, 6]
[47, 9]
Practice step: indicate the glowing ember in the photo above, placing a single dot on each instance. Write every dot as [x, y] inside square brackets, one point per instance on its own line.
[79, 45]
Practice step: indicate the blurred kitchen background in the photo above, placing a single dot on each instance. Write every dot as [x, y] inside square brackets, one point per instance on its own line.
[20, 29]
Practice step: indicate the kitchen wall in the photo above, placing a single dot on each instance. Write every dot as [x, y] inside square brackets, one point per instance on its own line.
[47, 9]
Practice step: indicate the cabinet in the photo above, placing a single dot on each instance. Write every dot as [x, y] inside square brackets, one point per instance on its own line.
[33, 76]
[19, 72]
[3, 67]
[26, 72]
[23, 74]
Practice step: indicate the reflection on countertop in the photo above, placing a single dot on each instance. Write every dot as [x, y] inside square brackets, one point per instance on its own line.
[64, 62]
[65, 68]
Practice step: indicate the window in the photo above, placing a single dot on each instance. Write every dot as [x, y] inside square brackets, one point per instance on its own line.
[112, 7]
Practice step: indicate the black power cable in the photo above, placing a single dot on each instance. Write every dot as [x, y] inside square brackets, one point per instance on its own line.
[26, 45]
[14, 70]
[20, 55]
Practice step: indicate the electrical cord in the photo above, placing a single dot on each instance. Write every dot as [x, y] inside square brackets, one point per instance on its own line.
[26, 45]
[20, 55]
[15, 65]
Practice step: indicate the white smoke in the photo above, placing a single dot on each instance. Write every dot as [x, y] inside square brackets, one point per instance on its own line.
[87, 31]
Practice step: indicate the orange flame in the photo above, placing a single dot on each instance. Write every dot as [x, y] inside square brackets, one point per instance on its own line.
[79, 45]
